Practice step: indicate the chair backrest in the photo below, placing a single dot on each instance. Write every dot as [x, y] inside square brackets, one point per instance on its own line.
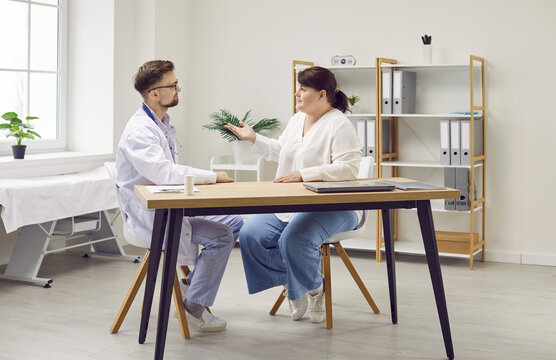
[111, 168]
[366, 167]
[365, 172]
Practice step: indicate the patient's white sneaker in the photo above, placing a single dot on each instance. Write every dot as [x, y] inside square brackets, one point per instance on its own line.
[298, 307]
[206, 323]
[316, 307]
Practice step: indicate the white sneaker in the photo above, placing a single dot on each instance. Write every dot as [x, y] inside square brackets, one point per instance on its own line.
[316, 308]
[206, 323]
[298, 307]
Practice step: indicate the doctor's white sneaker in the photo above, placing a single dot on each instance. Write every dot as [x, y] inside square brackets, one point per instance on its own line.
[206, 323]
[298, 307]
[316, 307]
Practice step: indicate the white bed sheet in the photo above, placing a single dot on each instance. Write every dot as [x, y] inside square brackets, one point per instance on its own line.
[36, 200]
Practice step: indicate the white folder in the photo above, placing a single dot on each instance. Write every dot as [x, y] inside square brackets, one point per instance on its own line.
[455, 148]
[370, 138]
[445, 142]
[403, 92]
[466, 140]
[387, 91]
[361, 129]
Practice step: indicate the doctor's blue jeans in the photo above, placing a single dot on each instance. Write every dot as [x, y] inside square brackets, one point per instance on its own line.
[217, 236]
[275, 252]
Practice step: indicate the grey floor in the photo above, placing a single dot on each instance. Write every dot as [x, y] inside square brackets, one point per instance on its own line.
[497, 311]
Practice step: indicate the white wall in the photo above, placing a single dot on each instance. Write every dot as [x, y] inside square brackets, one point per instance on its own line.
[90, 95]
[237, 55]
[240, 58]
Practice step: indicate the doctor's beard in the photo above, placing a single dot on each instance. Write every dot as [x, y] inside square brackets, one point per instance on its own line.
[174, 102]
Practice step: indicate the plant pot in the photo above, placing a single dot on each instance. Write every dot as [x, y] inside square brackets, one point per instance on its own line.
[427, 54]
[242, 152]
[19, 151]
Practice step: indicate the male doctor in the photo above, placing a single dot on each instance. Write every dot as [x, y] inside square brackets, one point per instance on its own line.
[147, 154]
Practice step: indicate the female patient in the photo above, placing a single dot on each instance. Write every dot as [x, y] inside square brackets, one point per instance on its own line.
[318, 144]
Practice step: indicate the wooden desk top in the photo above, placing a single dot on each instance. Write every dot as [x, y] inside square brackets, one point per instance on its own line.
[267, 193]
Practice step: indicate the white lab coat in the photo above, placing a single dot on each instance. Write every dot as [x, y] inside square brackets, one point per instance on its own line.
[144, 157]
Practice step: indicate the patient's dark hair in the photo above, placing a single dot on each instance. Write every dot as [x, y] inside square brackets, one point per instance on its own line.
[320, 78]
[150, 73]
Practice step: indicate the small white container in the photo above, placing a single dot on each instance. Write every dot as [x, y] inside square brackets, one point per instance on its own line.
[427, 54]
[189, 184]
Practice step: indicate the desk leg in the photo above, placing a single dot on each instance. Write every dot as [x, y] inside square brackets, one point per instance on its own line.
[168, 274]
[431, 249]
[390, 262]
[159, 228]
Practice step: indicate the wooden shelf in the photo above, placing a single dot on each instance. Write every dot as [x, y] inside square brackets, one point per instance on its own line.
[417, 116]
[425, 164]
[428, 66]
[246, 167]
[432, 116]
[457, 247]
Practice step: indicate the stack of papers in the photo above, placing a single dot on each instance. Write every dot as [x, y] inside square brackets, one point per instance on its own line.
[167, 189]
[412, 185]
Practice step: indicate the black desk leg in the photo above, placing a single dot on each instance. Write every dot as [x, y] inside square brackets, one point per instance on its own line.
[431, 249]
[159, 228]
[168, 273]
[390, 261]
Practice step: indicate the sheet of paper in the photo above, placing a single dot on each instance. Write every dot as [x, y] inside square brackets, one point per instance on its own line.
[167, 189]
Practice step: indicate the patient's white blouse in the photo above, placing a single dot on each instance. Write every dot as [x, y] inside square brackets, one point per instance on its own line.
[329, 151]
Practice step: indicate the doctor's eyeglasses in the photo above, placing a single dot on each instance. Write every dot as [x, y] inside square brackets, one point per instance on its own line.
[173, 87]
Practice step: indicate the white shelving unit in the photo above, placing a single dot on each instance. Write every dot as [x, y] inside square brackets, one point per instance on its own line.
[457, 84]
[227, 162]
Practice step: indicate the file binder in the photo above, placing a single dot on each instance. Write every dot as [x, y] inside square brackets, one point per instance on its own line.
[386, 91]
[450, 181]
[466, 140]
[455, 156]
[371, 136]
[445, 142]
[403, 92]
[462, 184]
[361, 129]
[386, 136]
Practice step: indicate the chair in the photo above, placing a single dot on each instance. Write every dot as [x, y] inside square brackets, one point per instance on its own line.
[365, 171]
[142, 272]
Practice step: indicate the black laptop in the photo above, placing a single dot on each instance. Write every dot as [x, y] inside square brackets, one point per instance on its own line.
[348, 186]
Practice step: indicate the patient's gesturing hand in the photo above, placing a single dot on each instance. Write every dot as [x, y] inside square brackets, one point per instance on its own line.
[245, 132]
[293, 176]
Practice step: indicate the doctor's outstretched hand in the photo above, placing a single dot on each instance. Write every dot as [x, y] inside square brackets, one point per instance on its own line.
[245, 132]
[222, 177]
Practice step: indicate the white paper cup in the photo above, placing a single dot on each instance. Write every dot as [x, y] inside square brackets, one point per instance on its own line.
[189, 184]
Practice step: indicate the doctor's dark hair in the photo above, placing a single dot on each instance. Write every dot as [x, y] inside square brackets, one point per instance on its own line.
[150, 73]
[319, 78]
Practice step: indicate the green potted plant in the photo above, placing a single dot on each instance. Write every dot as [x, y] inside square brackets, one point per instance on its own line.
[352, 100]
[19, 130]
[223, 117]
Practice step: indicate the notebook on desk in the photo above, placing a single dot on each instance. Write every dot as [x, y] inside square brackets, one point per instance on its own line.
[348, 186]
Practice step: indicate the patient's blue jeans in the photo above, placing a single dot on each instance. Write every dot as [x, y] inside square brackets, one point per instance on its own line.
[276, 252]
